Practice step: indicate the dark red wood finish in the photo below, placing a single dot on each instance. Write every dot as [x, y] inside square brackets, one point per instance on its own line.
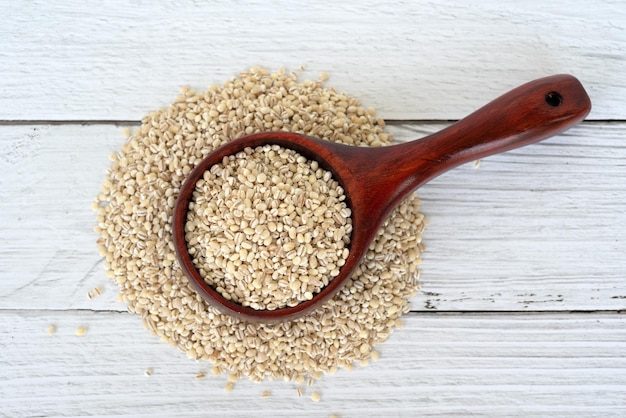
[377, 179]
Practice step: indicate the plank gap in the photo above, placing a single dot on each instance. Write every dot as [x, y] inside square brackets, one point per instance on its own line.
[121, 122]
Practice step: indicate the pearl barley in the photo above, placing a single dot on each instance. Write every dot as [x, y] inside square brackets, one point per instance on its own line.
[246, 260]
[135, 208]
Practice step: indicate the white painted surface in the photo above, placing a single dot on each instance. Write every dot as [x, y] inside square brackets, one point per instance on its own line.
[411, 60]
[437, 365]
[524, 278]
[540, 228]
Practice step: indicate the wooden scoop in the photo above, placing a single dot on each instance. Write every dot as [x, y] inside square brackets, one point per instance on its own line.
[375, 180]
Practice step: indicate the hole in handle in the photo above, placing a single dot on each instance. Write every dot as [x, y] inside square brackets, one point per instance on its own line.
[554, 99]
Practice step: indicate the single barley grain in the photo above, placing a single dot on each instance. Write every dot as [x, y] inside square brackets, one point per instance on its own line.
[148, 372]
[266, 394]
[315, 375]
[93, 293]
[229, 387]
[51, 329]
[299, 392]
[134, 214]
[81, 331]
[315, 397]
[200, 375]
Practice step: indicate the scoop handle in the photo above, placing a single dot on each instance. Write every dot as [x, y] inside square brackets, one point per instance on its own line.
[526, 114]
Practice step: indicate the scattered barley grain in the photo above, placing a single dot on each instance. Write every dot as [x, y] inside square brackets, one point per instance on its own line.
[135, 207]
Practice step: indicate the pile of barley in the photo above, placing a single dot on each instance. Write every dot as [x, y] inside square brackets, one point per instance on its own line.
[268, 228]
[135, 211]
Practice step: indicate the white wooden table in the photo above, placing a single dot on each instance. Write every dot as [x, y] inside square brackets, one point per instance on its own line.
[524, 278]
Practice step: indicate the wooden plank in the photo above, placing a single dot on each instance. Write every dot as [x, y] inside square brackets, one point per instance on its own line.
[437, 365]
[538, 228]
[535, 229]
[51, 174]
[86, 60]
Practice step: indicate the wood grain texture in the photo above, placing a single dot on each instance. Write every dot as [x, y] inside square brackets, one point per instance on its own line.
[437, 365]
[527, 232]
[539, 228]
[532, 227]
[87, 60]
